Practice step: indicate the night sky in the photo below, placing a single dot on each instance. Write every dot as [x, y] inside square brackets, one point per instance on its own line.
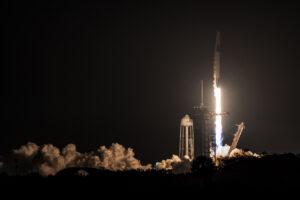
[97, 73]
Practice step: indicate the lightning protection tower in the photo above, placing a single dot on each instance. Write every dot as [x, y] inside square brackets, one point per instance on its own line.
[186, 141]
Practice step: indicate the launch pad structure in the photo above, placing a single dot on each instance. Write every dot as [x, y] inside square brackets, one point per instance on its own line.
[202, 128]
[196, 132]
[205, 140]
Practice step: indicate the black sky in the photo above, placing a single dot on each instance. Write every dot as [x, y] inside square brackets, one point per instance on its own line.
[126, 72]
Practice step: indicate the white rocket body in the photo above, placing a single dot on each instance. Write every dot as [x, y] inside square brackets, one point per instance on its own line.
[217, 61]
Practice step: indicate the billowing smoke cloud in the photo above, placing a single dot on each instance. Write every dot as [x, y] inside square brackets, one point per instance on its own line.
[183, 166]
[239, 153]
[177, 165]
[223, 152]
[168, 163]
[48, 159]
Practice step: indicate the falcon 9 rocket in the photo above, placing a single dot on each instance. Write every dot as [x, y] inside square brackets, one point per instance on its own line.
[217, 94]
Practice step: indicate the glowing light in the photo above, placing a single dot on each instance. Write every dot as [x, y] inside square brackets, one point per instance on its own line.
[218, 120]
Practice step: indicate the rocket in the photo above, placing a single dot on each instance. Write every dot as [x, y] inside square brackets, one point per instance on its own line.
[217, 61]
[217, 70]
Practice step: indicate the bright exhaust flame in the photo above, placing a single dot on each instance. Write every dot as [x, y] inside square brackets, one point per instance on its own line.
[218, 120]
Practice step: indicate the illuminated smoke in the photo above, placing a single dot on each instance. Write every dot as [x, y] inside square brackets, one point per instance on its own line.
[168, 163]
[177, 165]
[183, 167]
[223, 152]
[48, 159]
[240, 153]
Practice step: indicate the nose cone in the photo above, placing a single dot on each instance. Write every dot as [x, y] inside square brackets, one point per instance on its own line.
[186, 121]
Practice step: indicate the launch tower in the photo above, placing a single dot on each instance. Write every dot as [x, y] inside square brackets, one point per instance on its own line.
[202, 125]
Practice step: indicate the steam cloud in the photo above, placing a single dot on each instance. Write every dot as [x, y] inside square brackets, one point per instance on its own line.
[183, 166]
[48, 159]
[223, 152]
[177, 165]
